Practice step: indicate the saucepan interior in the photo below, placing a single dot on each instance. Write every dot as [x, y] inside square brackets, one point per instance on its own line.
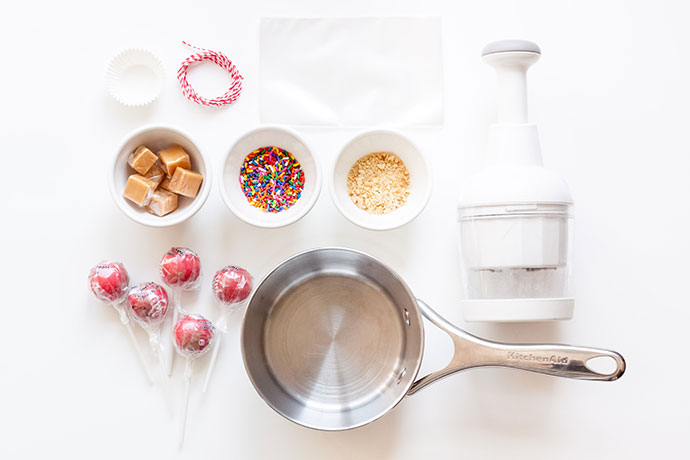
[332, 339]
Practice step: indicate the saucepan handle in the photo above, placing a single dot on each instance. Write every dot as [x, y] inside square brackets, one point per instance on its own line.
[558, 360]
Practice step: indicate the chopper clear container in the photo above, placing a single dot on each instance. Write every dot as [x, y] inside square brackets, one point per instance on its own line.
[516, 251]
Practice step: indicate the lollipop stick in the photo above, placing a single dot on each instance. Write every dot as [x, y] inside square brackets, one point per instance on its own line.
[187, 382]
[176, 312]
[158, 351]
[222, 325]
[162, 370]
[139, 352]
[125, 322]
[212, 364]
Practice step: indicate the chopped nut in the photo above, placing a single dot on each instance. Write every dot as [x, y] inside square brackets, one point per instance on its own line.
[379, 183]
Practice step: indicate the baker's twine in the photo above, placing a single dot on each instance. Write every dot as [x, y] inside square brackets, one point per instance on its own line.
[221, 60]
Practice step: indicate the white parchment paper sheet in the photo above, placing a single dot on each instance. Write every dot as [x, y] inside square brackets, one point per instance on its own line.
[351, 72]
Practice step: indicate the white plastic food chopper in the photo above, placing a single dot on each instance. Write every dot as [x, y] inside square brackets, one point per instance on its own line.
[515, 216]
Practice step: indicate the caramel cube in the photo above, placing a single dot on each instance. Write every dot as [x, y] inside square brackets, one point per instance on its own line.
[142, 159]
[139, 189]
[162, 203]
[155, 174]
[185, 182]
[174, 157]
[165, 183]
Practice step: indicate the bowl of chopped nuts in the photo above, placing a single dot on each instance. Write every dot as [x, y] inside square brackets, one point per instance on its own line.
[380, 180]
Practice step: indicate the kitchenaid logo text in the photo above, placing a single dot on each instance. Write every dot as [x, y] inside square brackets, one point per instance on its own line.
[553, 359]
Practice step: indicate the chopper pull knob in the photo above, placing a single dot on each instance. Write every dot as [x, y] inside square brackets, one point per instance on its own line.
[511, 46]
[511, 59]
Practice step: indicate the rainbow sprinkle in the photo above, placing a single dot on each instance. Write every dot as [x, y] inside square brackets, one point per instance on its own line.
[271, 179]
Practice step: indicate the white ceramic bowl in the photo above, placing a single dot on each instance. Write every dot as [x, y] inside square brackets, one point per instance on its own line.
[229, 182]
[158, 137]
[135, 77]
[381, 141]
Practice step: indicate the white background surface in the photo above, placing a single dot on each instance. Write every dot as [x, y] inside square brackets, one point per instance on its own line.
[611, 96]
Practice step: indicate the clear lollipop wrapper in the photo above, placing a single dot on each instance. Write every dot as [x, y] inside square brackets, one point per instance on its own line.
[231, 287]
[109, 282]
[193, 335]
[180, 269]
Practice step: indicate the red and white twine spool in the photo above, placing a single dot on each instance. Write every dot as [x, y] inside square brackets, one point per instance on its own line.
[221, 60]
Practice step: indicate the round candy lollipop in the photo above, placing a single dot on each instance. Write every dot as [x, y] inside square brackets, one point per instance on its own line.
[231, 287]
[148, 303]
[193, 336]
[180, 269]
[109, 282]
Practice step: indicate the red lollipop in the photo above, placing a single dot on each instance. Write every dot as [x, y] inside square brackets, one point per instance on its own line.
[231, 287]
[109, 281]
[180, 269]
[193, 336]
[149, 303]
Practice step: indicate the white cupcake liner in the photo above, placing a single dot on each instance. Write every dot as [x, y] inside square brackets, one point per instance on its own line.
[135, 77]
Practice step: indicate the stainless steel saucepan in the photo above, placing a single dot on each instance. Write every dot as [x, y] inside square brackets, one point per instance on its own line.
[332, 339]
